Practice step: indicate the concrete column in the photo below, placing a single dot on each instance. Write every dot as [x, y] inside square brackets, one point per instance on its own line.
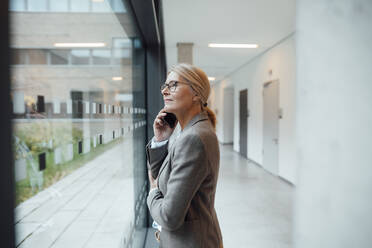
[18, 102]
[333, 207]
[184, 52]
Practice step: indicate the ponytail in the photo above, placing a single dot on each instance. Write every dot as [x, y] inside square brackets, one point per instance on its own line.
[211, 116]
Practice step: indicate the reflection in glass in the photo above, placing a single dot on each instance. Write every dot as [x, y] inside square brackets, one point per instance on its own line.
[118, 6]
[121, 56]
[19, 56]
[121, 43]
[37, 5]
[17, 5]
[59, 57]
[59, 5]
[121, 51]
[37, 56]
[78, 135]
[101, 56]
[100, 6]
[80, 56]
[79, 5]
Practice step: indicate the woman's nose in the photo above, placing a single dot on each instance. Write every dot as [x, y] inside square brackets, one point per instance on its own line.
[165, 91]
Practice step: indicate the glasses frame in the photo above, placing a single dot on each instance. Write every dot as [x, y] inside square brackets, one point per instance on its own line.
[172, 88]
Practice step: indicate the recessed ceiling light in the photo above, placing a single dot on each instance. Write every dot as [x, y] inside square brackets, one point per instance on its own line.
[219, 45]
[211, 78]
[95, 44]
[117, 78]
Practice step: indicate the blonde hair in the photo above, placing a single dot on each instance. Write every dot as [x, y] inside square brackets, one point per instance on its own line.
[199, 82]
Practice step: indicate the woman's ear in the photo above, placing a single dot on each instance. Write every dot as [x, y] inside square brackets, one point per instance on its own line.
[196, 98]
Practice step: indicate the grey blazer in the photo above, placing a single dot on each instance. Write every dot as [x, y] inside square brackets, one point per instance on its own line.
[187, 173]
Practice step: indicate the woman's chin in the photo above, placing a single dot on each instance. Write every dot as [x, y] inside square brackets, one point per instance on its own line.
[168, 109]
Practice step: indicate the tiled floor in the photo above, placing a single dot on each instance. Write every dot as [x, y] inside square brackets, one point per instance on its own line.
[254, 207]
[86, 209]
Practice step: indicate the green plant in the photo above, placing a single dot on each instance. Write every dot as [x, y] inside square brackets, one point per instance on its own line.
[36, 136]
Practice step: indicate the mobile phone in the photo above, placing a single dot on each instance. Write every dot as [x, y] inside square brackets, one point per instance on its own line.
[171, 119]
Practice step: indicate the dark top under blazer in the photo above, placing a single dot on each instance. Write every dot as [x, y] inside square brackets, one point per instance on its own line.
[187, 173]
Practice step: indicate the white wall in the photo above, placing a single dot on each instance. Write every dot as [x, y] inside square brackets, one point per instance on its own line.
[334, 124]
[228, 116]
[281, 60]
[216, 100]
[224, 111]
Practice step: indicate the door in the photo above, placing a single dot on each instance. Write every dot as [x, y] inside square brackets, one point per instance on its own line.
[243, 119]
[271, 126]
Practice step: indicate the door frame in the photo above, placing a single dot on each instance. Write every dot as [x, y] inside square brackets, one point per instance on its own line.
[7, 232]
[241, 115]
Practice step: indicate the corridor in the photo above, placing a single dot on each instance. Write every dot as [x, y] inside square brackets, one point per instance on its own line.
[285, 85]
[254, 207]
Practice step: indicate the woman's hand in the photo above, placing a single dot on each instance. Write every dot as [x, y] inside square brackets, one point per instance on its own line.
[162, 130]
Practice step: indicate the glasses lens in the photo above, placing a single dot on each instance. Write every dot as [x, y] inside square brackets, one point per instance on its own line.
[172, 86]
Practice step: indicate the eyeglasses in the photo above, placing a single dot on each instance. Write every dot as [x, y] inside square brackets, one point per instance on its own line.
[172, 86]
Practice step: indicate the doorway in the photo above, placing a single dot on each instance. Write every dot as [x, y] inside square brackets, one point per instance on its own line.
[271, 126]
[243, 121]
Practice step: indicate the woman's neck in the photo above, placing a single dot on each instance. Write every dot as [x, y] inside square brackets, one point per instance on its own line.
[185, 117]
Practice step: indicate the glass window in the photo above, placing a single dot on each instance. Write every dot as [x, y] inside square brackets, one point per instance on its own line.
[121, 56]
[19, 56]
[121, 53]
[59, 57]
[101, 57]
[80, 166]
[37, 56]
[80, 56]
[122, 49]
[118, 6]
[37, 5]
[58, 5]
[79, 5]
[121, 43]
[101, 6]
[17, 5]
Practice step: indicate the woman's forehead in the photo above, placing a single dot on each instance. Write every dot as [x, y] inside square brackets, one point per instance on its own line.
[172, 76]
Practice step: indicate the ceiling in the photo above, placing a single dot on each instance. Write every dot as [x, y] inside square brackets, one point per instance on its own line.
[263, 22]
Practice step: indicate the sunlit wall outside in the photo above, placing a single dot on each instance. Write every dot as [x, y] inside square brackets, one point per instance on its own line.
[78, 101]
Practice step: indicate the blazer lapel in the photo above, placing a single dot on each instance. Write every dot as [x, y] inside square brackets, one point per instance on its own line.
[199, 117]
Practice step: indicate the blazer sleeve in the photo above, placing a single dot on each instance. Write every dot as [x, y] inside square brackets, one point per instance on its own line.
[189, 169]
[155, 158]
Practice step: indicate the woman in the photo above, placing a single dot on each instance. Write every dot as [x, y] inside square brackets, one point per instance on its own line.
[184, 175]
